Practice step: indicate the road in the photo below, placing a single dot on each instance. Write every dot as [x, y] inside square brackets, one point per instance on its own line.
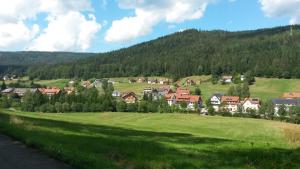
[15, 155]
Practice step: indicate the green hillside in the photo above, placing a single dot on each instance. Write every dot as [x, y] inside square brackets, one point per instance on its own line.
[266, 52]
[19, 62]
[157, 141]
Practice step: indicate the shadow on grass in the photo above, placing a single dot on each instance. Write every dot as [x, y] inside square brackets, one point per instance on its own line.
[98, 146]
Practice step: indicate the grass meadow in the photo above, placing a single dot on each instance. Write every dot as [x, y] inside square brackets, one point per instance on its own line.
[157, 141]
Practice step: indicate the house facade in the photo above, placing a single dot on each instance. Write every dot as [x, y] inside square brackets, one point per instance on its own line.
[130, 98]
[215, 101]
[251, 104]
[287, 103]
[183, 95]
[227, 79]
[230, 103]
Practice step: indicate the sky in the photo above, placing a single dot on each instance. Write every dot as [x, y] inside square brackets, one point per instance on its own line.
[106, 25]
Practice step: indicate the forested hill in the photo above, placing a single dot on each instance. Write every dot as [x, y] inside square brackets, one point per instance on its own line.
[19, 62]
[271, 52]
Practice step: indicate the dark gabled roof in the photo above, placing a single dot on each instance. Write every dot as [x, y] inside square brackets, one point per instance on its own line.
[287, 101]
[218, 95]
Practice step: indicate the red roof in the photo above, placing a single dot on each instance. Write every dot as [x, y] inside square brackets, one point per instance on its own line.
[291, 95]
[230, 99]
[49, 91]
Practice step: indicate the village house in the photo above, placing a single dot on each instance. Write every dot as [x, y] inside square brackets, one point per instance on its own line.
[152, 81]
[287, 103]
[215, 101]
[7, 91]
[154, 93]
[21, 91]
[50, 91]
[291, 95]
[97, 83]
[87, 84]
[141, 80]
[227, 79]
[70, 90]
[71, 83]
[183, 95]
[230, 103]
[189, 82]
[130, 98]
[164, 82]
[116, 93]
[250, 104]
[242, 78]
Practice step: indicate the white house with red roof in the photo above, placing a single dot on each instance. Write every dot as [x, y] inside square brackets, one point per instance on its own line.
[183, 95]
[50, 91]
[230, 103]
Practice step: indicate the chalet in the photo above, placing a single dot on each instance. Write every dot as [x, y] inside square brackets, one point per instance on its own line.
[111, 81]
[190, 82]
[7, 91]
[70, 90]
[183, 95]
[141, 80]
[288, 103]
[230, 103]
[6, 77]
[97, 83]
[164, 82]
[242, 78]
[86, 84]
[154, 93]
[250, 104]
[165, 90]
[49, 91]
[116, 94]
[152, 81]
[291, 95]
[130, 97]
[71, 82]
[227, 79]
[215, 100]
[21, 91]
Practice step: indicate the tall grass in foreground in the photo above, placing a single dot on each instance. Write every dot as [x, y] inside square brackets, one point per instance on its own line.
[137, 141]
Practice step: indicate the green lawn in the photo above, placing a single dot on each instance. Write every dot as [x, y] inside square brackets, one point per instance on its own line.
[264, 88]
[61, 83]
[157, 141]
[138, 88]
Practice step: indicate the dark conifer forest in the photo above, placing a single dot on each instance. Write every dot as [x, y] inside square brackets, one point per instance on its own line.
[273, 52]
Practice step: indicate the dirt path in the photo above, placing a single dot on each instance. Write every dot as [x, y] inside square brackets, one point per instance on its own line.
[15, 155]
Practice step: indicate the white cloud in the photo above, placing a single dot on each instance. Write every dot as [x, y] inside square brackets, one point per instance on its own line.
[67, 32]
[282, 8]
[149, 13]
[15, 30]
[16, 33]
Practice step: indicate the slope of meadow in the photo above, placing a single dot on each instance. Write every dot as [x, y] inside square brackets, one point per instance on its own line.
[157, 141]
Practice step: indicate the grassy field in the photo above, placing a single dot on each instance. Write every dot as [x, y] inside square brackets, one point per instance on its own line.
[264, 88]
[61, 83]
[157, 141]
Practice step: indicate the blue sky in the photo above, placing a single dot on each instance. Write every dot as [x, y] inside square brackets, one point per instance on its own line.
[105, 25]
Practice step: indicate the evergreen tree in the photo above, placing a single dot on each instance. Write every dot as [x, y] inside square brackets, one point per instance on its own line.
[3, 85]
[198, 91]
